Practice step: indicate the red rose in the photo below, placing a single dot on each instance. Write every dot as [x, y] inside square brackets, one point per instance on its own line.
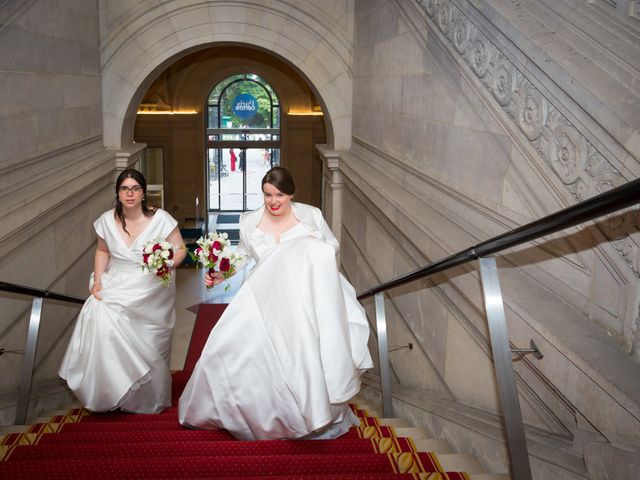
[216, 245]
[170, 253]
[156, 247]
[225, 265]
[198, 250]
[145, 258]
[162, 271]
[213, 257]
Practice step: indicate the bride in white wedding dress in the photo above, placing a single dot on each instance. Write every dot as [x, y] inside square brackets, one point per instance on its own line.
[118, 356]
[288, 353]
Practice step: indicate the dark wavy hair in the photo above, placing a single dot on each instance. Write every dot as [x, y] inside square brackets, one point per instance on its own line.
[138, 177]
[281, 179]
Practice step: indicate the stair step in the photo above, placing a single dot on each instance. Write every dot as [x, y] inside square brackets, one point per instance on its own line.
[411, 432]
[170, 413]
[156, 425]
[394, 422]
[435, 445]
[490, 476]
[459, 462]
[134, 436]
[198, 466]
[197, 448]
[5, 429]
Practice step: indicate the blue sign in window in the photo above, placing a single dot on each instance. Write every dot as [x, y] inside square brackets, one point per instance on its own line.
[245, 106]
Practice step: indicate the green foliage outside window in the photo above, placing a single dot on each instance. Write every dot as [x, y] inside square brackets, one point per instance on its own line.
[226, 91]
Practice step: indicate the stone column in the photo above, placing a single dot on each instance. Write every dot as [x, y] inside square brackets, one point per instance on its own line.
[127, 157]
[332, 185]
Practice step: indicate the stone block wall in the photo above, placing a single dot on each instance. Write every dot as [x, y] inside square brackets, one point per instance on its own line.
[470, 119]
[55, 178]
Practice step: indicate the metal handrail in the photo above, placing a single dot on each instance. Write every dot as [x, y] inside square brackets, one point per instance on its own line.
[603, 204]
[607, 202]
[38, 296]
[36, 292]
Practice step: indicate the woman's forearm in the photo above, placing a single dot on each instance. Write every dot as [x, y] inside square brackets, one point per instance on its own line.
[100, 262]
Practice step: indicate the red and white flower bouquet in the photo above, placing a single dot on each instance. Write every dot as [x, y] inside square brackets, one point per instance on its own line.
[214, 253]
[157, 258]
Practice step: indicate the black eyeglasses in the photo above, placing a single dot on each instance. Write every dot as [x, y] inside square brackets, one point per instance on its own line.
[134, 189]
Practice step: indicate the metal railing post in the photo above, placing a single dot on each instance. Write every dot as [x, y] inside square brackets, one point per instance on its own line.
[383, 355]
[29, 361]
[503, 364]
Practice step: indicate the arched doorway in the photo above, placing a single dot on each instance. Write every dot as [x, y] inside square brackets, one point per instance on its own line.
[242, 141]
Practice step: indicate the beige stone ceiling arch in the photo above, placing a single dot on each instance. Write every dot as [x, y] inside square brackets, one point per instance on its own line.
[140, 39]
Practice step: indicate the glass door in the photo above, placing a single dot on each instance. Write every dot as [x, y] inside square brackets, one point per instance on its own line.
[242, 142]
[235, 176]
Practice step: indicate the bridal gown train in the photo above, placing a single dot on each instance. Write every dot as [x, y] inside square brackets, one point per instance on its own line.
[119, 352]
[288, 352]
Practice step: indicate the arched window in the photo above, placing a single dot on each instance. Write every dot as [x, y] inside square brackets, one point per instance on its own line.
[242, 141]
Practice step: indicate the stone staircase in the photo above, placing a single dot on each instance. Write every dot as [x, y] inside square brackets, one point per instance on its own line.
[449, 459]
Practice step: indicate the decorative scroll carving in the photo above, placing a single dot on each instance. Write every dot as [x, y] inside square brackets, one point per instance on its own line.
[566, 153]
[532, 113]
[569, 155]
[503, 81]
[461, 33]
[480, 57]
[430, 7]
[443, 16]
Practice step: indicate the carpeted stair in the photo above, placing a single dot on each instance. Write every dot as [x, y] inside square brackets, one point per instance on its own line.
[82, 445]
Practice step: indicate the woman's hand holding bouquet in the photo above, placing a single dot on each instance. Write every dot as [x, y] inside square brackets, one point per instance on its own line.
[214, 253]
[157, 258]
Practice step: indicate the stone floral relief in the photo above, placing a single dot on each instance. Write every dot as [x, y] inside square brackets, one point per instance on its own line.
[583, 170]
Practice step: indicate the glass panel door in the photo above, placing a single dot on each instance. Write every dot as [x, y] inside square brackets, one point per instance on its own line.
[242, 141]
[258, 163]
[231, 180]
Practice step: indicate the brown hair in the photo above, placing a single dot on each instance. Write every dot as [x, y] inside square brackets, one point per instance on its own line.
[281, 179]
[138, 177]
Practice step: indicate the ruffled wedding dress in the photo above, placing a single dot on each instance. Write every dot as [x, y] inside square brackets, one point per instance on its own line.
[288, 352]
[119, 352]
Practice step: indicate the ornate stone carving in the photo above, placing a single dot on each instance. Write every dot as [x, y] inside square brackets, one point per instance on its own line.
[430, 6]
[503, 80]
[532, 113]
[480, 57]
[443, 17]
[461, 32]
[568, 154]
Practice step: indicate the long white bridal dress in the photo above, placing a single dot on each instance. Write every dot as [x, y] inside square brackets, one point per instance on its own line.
[118, 356]
[288, 352]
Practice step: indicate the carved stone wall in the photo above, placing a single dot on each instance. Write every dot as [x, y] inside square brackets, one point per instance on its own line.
[471, 118]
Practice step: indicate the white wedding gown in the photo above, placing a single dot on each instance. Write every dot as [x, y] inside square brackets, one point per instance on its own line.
[119, 352]
[288, 352]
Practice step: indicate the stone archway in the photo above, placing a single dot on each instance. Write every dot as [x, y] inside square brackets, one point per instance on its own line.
[141, 40]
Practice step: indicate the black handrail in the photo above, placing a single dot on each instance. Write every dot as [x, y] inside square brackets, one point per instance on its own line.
[602, 204]
[36, 292]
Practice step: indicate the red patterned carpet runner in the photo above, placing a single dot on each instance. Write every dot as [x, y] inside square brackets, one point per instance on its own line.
[83, 445]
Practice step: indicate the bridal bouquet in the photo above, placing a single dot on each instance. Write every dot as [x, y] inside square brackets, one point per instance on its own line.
[157, 258]
[214, 254]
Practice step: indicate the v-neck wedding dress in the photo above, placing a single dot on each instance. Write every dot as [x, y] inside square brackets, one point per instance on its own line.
[288, 352]
[119, 352]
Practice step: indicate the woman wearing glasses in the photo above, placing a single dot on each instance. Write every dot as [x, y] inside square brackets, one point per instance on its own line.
[118, 356]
